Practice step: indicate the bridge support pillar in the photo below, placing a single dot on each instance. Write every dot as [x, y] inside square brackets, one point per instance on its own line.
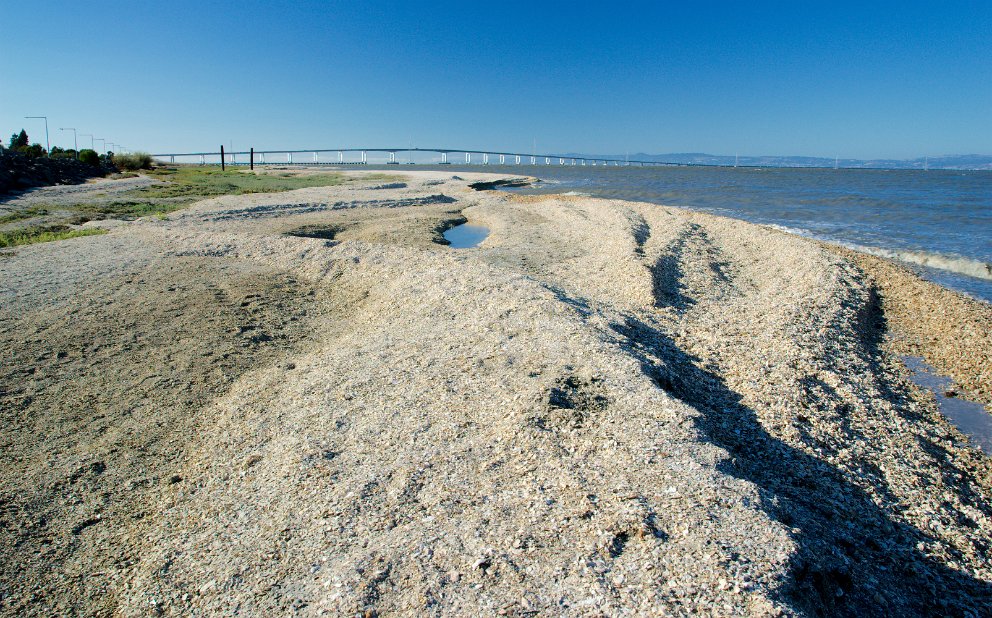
[468, 157]
[392, 157]
[340, 157]
[547, 160]
[518, 159]
[172, 159]
[289, 157]
[203, 160]
[533, 160]
[315, 156]
[485, 158]
[444, 157]
[502, 159]
[365, 157]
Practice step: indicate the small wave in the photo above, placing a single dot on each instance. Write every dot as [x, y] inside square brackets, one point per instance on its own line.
[951, 263]
[577, 193]
[940, 261]
[797, 231]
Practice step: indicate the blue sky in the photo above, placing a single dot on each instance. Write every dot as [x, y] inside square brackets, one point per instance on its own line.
[864, 79]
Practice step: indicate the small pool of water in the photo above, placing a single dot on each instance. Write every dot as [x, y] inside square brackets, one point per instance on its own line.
[466, 236]
[970, 417]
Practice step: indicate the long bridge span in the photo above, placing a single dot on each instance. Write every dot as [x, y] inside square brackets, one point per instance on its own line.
[393, 156]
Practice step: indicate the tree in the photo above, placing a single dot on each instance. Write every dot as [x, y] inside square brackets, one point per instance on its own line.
[19, 140]
[87, 155]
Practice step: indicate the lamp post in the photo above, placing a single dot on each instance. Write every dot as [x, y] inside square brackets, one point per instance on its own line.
[100, 139]
[47, 144]
[90, 135]
[75, 144]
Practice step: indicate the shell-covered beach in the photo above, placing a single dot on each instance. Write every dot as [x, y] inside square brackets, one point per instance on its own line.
[305, 403]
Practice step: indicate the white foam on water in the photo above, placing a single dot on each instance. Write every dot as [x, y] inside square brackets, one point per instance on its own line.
[796, 231]
[951, 263]
[940, 261]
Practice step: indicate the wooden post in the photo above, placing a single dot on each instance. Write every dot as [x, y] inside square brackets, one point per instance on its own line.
[222, 157]
[251, 159]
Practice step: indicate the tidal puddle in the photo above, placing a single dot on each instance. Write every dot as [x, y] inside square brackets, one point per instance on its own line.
[970, 417]
[466, 236]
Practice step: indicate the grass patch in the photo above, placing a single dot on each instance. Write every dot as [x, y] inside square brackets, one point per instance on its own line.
[20, 215]
[125, 209]
[32, 235]
[210, 181]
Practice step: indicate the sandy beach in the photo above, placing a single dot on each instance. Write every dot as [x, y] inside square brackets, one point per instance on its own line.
[305, 403]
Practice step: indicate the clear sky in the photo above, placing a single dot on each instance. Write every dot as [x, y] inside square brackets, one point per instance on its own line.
[854, 79]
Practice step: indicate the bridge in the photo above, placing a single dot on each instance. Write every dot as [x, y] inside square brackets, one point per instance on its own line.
[360, 156]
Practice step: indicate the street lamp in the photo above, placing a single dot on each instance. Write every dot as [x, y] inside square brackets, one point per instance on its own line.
[47, 144]
[90, 135]
[75, 144]
[100, 139]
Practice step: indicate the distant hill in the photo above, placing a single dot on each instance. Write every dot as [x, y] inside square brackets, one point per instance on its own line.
[946, 162]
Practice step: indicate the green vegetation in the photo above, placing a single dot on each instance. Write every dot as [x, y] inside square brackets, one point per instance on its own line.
[20, 215]
[197, 182]
[87, 155]
[32, 235]
[124, 209]
[18, 140]
[19, 143]
[62, 153]
[133, 161]
[184, 185]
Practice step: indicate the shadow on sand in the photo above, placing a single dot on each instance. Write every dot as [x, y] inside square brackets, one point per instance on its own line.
[854, 558]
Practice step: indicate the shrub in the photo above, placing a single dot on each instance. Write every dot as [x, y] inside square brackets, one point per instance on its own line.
[87, 155]
[32, 152]
[133, 161]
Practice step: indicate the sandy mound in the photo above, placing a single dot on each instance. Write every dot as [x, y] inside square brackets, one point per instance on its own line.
[607, 408]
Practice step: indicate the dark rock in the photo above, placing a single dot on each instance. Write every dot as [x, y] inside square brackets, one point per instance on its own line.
[18, 172]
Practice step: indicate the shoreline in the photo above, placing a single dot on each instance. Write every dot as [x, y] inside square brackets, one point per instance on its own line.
[303, 400]
[947, 328]
[961, 265]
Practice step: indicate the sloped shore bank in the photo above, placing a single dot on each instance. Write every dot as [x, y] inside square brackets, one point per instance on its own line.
[608, 407]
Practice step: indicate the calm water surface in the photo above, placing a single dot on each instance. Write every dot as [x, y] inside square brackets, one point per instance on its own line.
[970, 417]
[465, 236]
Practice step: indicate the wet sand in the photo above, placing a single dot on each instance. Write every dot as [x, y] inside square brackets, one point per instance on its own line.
[306, 403]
